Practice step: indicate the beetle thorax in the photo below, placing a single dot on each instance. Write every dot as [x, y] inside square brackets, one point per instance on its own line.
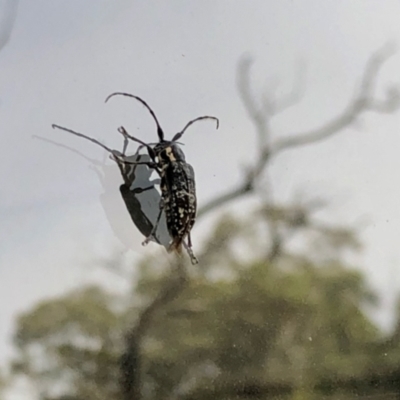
[168, 152]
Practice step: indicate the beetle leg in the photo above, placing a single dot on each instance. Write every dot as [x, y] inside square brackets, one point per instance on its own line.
[141, 190]
[123, 132]
[125, 145]
[188, 248]
[154, 230]
[150, 164]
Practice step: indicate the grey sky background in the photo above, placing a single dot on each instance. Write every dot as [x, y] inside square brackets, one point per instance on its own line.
[64, 57]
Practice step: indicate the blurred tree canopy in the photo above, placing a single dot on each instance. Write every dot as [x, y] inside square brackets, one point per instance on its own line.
[273, 311]
[253, 326]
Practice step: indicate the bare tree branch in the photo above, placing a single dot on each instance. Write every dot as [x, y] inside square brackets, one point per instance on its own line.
[259, 115]
[168, 293]
[244, 87]
[233, 194]
[131, 361]
[296, 94]
[7, 20]
[364, 101]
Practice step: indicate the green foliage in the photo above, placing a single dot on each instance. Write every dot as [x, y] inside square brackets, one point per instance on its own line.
[70, 344]
[266, 325]
[3, 383]
[290, 323]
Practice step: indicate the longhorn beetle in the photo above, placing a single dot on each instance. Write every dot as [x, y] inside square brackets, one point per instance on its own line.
[178, 189]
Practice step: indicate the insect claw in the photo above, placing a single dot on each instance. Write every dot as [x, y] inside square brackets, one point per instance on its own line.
[149, 239]
[194, 259]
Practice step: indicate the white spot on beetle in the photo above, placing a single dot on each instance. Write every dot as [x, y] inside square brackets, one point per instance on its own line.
[170, 154]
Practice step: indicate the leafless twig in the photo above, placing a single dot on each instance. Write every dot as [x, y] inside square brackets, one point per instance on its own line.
[364, 101]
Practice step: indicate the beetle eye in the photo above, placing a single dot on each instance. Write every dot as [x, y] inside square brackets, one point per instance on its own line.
[179, 154]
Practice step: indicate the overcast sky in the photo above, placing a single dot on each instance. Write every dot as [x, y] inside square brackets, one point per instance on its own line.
[64, 57]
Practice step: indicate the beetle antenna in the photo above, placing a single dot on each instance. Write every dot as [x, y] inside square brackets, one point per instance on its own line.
[179, 134]
[160, 132]
[124, 133]
[154, 144]
[91, 160]
[83, 136]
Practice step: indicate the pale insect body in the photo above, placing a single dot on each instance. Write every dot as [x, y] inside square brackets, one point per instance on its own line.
[138, 192]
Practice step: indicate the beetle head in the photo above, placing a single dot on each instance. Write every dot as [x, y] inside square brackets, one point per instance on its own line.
[168, 151]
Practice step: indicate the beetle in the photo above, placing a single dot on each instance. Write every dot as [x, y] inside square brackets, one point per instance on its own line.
[138, 192]
[178, 188]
